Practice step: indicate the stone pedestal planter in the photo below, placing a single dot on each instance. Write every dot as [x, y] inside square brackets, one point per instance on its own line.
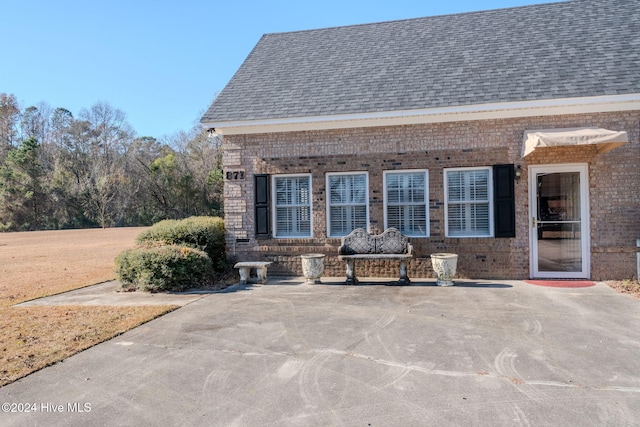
[312, 267]
[444, 267]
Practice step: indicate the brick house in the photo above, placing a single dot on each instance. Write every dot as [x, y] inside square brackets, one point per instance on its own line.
[433, 125]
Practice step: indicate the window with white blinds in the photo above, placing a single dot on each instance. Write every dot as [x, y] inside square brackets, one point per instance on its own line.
[347, 203]
[407, 202]
[468, 199]
[292, 202]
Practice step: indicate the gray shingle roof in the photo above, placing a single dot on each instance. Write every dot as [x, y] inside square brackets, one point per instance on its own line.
[560, 50]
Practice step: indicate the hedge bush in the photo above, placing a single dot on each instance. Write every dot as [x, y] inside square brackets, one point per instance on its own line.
[163, 268]
[201, 232]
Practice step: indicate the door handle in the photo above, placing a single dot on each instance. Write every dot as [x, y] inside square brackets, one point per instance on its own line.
[533, 222]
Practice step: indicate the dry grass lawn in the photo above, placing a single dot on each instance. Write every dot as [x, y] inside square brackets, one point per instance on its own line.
[41, 263]
[35, 264]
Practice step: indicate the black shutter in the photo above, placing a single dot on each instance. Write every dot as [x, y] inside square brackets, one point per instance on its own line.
[262, 205]
[504, 214]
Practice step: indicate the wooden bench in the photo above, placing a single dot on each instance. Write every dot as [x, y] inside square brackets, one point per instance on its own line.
[245, 267]
[360, 245]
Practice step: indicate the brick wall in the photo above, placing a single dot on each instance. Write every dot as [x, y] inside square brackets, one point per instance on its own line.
[614, 180]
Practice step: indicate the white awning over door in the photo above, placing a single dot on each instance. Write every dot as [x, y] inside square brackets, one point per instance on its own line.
[606, 140]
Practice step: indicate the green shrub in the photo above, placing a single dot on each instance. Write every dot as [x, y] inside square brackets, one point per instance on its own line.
[163, 268]
[201, 232]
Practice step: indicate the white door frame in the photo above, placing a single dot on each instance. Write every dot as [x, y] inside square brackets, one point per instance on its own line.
[585, 216]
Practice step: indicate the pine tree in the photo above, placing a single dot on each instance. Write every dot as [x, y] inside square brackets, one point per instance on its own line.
[22, 196]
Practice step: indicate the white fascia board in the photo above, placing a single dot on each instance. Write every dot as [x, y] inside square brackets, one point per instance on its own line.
[548, 107]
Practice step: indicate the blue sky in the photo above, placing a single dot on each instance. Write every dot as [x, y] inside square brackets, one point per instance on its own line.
[161, 62]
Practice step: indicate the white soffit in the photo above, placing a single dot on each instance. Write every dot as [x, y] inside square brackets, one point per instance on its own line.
[606, 140]
[549, 107]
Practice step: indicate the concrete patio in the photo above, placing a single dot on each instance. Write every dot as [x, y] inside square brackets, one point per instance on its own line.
[482, 353]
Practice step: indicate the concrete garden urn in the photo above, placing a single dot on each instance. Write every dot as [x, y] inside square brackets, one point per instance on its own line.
[444, 267]
[312, 267]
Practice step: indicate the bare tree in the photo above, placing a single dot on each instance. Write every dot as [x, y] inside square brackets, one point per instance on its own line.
[35, 122]
[9, 117]
[111, 130]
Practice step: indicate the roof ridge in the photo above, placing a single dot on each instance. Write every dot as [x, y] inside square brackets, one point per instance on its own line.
[417, 18]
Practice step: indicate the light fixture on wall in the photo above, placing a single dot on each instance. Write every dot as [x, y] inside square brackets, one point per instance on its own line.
[518, 173]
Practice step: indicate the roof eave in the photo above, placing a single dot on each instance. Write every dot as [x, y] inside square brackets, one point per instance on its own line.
[547, 107]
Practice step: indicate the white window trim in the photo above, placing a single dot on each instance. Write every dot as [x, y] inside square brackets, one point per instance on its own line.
[426, 198]
[274, 205]
[489, 196]
[328, 197]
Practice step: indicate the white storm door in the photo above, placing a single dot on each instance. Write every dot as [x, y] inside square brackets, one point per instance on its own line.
[559, 221]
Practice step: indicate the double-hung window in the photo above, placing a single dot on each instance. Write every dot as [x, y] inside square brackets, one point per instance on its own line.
[292, 203]
[347, 202]
[407, 201]
[468, 202]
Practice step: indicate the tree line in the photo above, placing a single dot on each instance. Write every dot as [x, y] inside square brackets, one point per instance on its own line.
[59, 171]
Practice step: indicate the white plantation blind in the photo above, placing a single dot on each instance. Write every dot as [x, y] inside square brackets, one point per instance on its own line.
[468, 202]
[348, 208]
[292, 206]
[407, 202]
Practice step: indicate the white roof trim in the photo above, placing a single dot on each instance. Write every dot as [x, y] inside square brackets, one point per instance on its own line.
[548, 107]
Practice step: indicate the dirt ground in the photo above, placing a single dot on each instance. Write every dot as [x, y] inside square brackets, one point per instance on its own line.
[40, 263]
[631, 287]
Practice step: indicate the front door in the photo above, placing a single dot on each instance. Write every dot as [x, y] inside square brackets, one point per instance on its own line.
[559, 225]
